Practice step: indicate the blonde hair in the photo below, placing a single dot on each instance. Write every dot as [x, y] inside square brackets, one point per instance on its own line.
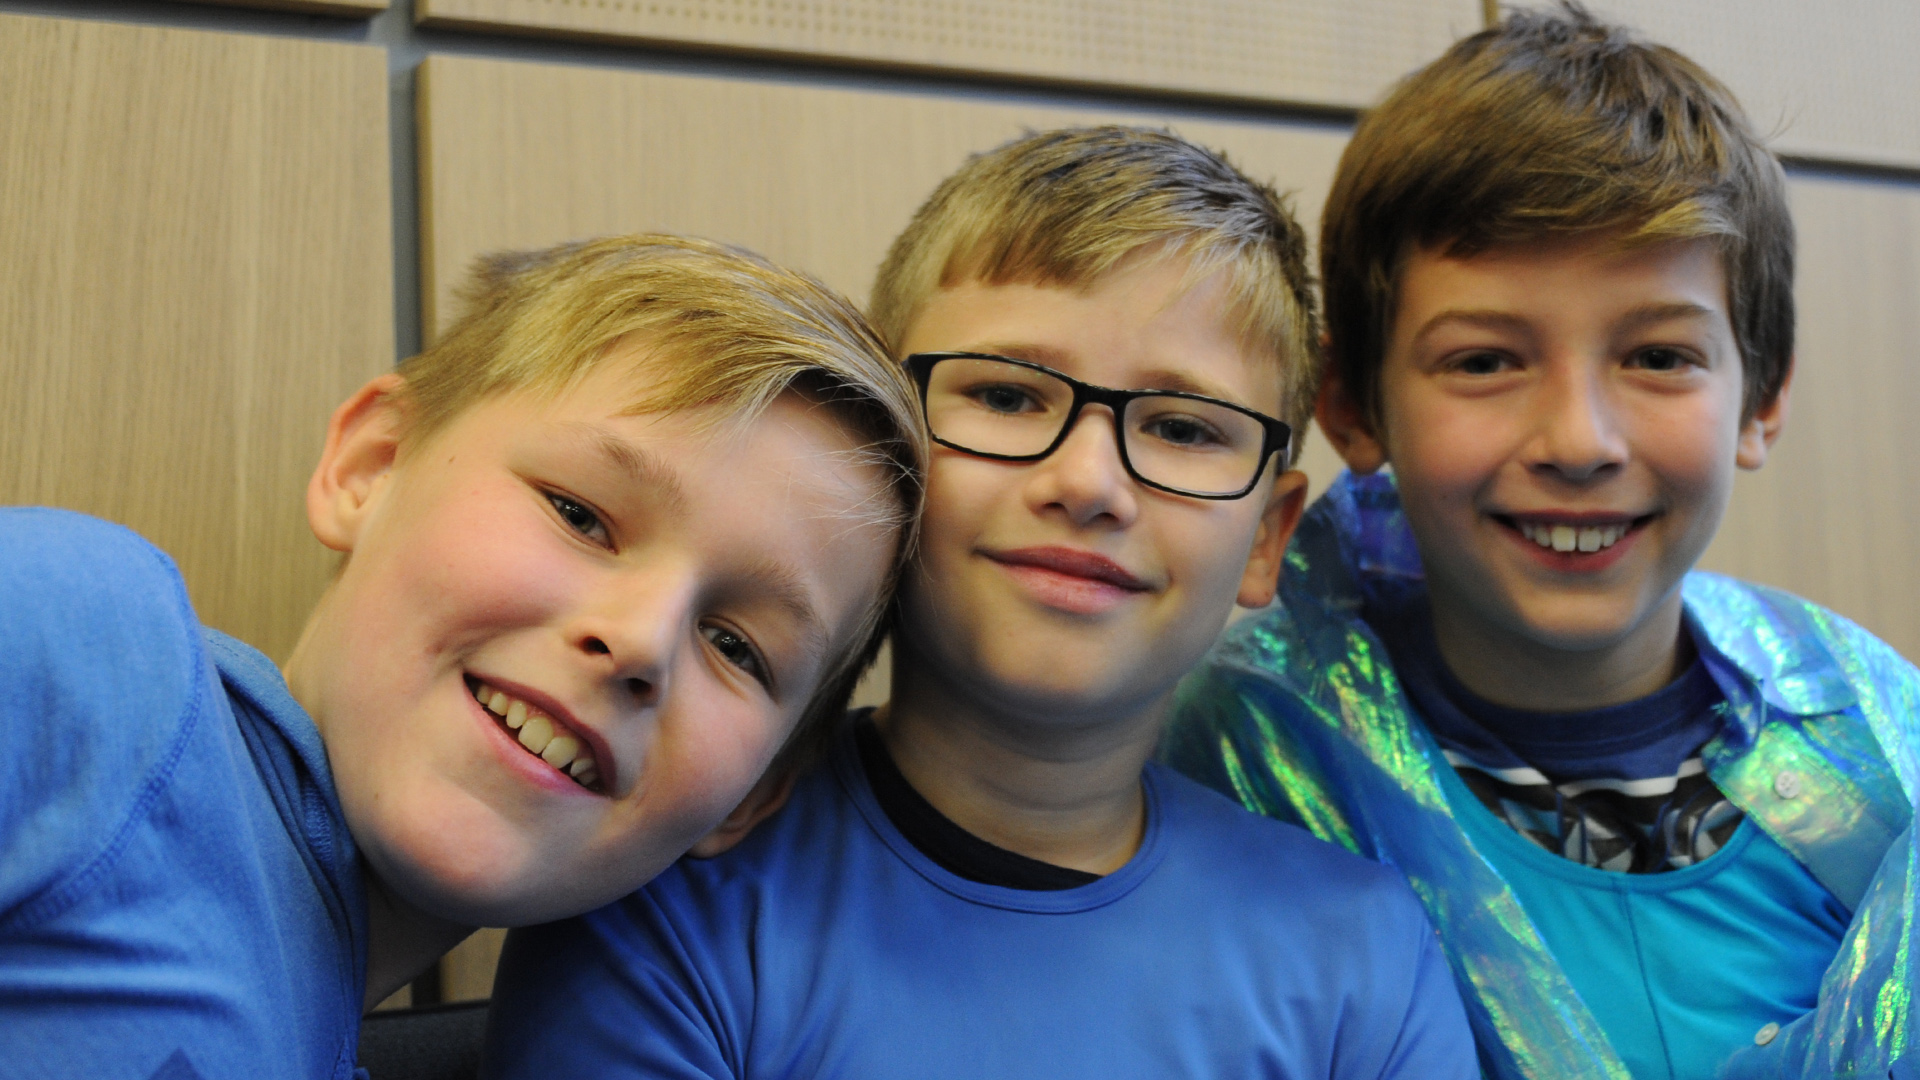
[1553, 124]
[722, 326]
[1064, 207]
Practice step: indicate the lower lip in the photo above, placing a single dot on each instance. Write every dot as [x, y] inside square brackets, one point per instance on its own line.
[1576, 562]
[520, 759]
[1070, 593]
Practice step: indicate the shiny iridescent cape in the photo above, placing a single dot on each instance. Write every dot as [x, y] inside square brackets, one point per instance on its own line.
[1297, 714]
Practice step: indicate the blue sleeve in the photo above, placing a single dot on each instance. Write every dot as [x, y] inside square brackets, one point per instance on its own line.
[1435, 1042]
[614, 993]
[99, 660]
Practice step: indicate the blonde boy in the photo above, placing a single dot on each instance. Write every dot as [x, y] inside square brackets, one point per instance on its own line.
[606, 544]
[988, 878]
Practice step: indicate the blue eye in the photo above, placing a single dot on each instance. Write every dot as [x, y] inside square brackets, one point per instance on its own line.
[579, 518]
[739, 652]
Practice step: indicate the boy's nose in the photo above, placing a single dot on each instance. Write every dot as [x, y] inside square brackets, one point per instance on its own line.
[1577, 436]
[1084, 476]
[634, 633]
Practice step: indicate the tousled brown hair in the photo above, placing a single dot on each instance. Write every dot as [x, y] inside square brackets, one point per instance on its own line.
[719, 326]
[1064, 207]
[1555, 124]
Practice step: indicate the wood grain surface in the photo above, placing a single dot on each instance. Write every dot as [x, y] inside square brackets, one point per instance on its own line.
[199, 253]
[1323, 52]
[1832, 81]
[1832, 514]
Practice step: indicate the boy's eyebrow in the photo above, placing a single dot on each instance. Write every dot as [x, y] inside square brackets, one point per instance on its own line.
[1052, 357]
[1490, 318]
[641, 467]
[784, 586]
[1493, 319]
[1647, 314]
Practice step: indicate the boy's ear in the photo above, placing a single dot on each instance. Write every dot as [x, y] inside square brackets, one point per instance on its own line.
[1764, 426]
[767, 797]
[1284, 504]
[1346, 427]
[363, 441]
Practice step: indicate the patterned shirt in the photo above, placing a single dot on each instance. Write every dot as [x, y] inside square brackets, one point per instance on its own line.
[1619, 788]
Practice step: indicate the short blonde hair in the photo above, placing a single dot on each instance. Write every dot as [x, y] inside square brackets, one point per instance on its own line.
[730, 329]
[1064, 207]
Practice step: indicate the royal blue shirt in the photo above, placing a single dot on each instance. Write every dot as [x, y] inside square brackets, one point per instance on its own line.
[826, 945]
[179, 895]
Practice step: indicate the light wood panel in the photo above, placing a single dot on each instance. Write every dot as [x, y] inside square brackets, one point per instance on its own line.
[199, 267]
[349, 8]
[1834, 81]
[524, 155]
[1331, 52]
[1834, 513]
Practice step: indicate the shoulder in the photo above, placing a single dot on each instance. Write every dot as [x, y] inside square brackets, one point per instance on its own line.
[1273, 864]
[101, 670]
[96, 616]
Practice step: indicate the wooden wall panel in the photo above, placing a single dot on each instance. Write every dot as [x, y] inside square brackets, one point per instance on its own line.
[1833, 514]
[199, 267]
[348, 8]
[1330, 52]
[523, 155]
[1834, 81]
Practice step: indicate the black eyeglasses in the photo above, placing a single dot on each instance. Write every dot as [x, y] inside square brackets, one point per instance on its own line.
[1011, 410]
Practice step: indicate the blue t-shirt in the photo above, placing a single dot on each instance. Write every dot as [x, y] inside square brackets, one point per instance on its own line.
[1681, 967]
[179, 895]
[826, 945]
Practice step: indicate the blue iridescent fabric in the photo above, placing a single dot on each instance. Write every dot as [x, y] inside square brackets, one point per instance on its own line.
[1298, 715]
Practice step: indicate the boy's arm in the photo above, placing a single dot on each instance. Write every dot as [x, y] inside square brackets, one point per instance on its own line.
[615, 993]
[99, 653]
[1434, 1042]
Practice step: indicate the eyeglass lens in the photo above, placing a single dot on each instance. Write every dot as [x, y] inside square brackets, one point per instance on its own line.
[992, 407]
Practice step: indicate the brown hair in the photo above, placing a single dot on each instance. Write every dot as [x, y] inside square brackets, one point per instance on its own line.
[1064, 207]
[1551, 124]
[734, 329]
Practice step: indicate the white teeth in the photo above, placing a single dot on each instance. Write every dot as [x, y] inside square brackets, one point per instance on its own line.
[561, 751]
[1585, 539]
[537, 733]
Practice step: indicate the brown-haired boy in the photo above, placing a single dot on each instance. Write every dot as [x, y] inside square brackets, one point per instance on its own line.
[1656, 815]
[988, 878]
[605, 545]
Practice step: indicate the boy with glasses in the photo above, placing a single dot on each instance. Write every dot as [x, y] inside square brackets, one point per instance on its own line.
[987, 877]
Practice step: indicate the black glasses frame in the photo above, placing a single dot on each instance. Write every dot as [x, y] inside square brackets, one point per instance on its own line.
[1277, 438]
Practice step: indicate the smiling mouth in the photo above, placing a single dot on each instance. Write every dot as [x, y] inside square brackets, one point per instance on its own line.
[1571, 538]
[539, 734]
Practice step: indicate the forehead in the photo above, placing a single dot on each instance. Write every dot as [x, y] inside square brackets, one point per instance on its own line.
[1143, 325]
[1591, 272]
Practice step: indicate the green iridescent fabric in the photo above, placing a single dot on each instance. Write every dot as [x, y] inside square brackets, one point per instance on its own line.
[1298, 715]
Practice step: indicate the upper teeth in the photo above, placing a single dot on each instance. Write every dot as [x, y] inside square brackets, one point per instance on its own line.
[1569, 538]
[537, 732]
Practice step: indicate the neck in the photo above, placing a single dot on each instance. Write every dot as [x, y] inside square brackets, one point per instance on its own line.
[1522, 673]
[402, 941]
[1061, 792]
